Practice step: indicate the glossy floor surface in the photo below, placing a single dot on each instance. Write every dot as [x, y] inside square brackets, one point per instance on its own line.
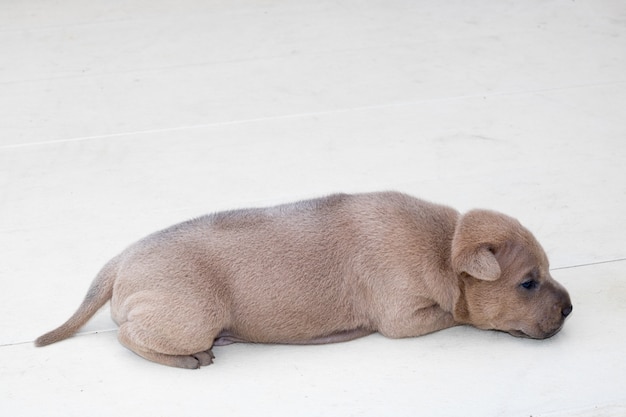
[121, 118]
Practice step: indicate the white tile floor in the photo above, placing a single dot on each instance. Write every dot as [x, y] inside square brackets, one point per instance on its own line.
[119, 118]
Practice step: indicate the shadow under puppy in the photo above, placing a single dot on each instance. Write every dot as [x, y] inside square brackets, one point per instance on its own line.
[320, 271]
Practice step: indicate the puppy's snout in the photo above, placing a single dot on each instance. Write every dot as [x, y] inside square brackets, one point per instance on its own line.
[566, 310]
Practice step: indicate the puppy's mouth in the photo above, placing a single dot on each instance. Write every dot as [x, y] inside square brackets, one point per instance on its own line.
[545, 335]
[519, 333]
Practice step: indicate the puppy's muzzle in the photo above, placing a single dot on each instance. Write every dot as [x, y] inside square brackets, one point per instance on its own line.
[549, 325]
[562, 308]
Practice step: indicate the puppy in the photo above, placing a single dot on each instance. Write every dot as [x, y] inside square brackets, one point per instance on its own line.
[322, 271]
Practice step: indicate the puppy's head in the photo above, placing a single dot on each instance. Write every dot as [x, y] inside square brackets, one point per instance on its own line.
[505, 279]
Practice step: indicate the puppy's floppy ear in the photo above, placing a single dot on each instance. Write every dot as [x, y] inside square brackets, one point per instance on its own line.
[480, 263]
[472, 246]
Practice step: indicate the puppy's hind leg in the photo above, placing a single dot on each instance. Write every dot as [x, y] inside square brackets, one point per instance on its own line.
[194, 361]
[170, 333]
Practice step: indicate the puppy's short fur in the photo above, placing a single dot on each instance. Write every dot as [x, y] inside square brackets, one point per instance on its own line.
[320, 271]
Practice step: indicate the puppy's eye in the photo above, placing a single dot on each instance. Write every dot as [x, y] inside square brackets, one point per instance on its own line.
[530, 284]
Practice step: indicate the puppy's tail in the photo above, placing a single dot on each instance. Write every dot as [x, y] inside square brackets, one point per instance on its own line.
[99, 293]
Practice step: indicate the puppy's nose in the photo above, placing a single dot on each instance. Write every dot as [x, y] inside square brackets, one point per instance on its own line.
[566, 310]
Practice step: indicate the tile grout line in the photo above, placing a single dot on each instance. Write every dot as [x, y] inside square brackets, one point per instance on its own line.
[589, 264]
[77, 334]
[301, 115]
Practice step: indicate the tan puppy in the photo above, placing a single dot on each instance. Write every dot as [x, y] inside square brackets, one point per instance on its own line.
[321, 271]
